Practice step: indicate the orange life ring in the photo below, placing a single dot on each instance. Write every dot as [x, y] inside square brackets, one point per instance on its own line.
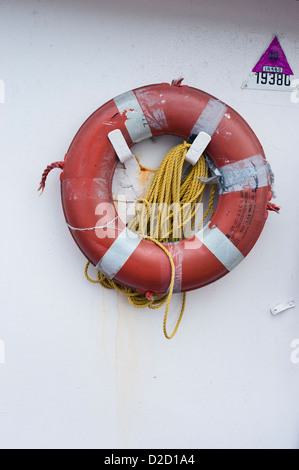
[245, 188]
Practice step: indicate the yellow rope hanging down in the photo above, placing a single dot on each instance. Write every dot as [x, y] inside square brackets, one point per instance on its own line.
[168, 209]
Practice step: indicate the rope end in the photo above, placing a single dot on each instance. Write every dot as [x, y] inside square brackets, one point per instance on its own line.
[49, 168]
[272, 207]
[41, 188]
[177, 82]
[150, 295]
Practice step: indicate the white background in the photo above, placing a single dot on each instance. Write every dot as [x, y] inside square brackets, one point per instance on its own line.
[84, 369]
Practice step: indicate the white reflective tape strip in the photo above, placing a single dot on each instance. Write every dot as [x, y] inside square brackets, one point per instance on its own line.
[251, 173]
[136, 122]
[120, 145]
[153, 107]
[198, 147]
[210, 118]
[221, 247]
[118, 253]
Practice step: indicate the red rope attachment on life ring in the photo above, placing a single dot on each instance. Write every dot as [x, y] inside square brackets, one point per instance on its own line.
[273, 207]
[177, 82]
[49, 168]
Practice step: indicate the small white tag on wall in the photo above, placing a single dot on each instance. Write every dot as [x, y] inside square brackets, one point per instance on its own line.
[282, 307]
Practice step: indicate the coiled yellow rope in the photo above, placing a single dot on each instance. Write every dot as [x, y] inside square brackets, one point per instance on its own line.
[167, 190]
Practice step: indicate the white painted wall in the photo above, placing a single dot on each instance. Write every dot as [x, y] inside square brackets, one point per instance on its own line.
[82, 368]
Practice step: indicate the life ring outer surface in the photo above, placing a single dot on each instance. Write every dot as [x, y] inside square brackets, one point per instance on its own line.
[86, 184]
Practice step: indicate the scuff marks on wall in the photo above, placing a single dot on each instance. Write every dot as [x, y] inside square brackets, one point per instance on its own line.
[127, 369]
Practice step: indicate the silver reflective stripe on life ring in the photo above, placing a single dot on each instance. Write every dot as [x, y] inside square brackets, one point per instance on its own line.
[221, 247]
[118, 253]
[250, 173]
[136, 123]
[210, 118]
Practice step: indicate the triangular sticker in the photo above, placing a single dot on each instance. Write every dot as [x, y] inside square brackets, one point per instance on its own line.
[274, 60]
[272, 72]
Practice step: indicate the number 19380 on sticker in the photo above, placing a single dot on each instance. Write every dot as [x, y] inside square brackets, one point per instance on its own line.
[279, 79]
